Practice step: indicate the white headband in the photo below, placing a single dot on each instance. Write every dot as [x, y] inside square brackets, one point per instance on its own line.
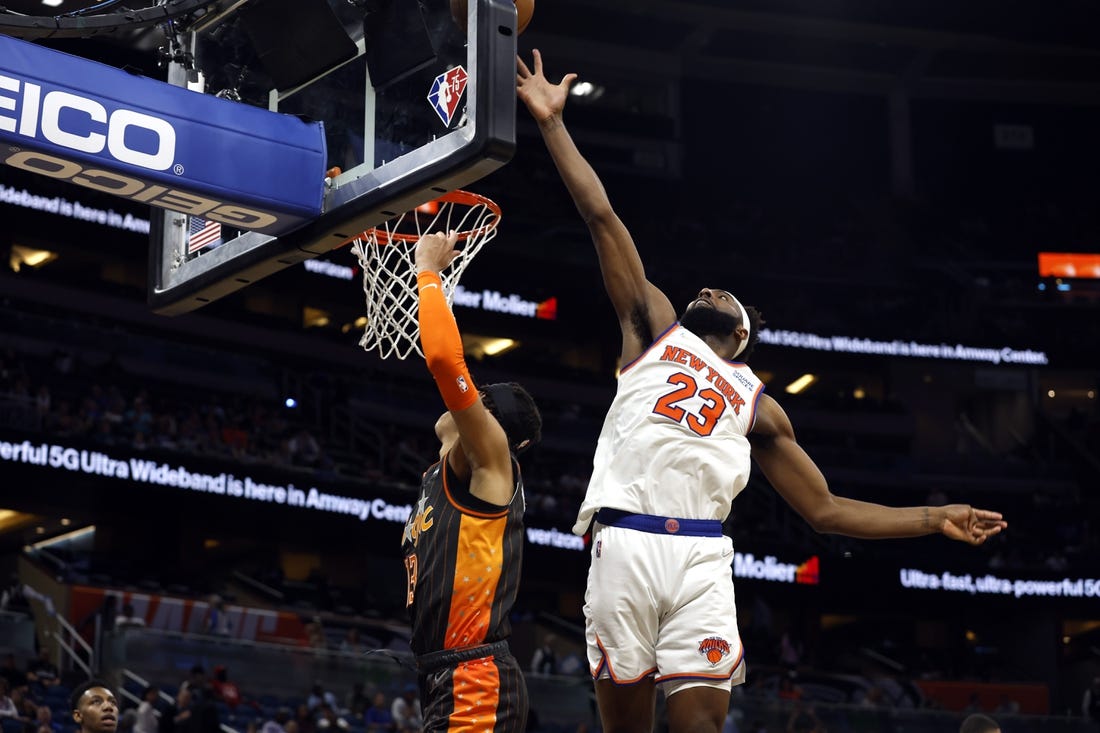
[745, 323]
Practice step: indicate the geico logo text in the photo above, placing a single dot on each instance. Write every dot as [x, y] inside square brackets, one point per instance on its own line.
[137, 190]
[90, 127]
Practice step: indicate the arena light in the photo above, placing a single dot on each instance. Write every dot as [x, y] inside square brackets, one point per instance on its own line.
[76, 534]
[12, 520]
[52, 3]
[800, 384]
[587, 89]
[315, 317]
[494, 347]
[1069, 264]
[479, 347]
[32, 257]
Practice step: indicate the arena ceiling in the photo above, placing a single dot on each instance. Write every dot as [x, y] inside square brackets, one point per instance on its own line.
[1019, 50]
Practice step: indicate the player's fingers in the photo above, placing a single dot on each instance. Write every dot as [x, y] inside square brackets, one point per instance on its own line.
[567, 81]
[524, 72]
[983, 535]
[986, 514]
[538, 60]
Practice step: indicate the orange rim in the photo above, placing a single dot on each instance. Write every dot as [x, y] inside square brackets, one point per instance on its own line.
[458, 196]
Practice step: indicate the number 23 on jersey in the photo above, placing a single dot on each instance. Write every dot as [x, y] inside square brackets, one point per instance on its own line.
[685, 387]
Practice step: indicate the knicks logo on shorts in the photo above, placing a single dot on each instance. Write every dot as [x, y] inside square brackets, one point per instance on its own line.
[715, 649]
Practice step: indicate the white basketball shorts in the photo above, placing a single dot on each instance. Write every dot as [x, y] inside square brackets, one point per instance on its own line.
[662, 605]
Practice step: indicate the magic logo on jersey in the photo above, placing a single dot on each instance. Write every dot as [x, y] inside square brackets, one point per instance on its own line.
[420, 521]
[446, 93]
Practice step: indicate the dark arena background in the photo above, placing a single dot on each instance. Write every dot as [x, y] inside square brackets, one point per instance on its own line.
[907, 191]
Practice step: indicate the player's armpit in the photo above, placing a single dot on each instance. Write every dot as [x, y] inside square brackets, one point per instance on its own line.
[484, 446]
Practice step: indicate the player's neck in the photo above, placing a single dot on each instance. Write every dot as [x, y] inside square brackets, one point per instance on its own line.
[724, 346]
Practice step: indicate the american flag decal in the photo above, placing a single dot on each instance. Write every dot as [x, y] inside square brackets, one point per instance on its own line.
[202, 233]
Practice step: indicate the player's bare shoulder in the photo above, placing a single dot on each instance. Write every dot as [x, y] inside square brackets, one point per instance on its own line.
[771, 422]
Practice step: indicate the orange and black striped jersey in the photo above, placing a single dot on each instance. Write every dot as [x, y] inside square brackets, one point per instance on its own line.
[463, 557]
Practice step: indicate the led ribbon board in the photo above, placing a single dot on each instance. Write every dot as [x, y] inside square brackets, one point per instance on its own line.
[151, 142]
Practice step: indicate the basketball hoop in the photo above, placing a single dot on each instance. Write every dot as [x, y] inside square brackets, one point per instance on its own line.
[386, 254]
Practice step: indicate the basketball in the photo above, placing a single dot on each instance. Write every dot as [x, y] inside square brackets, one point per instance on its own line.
[524, 10]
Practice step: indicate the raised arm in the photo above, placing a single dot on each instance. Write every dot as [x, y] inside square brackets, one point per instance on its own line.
[643, 310]
[482, 452]
[799, 481]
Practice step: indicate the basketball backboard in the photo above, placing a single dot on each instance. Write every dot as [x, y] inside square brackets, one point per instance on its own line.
[412, 107]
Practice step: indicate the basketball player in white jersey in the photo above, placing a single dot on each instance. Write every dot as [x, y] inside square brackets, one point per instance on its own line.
[673, 454]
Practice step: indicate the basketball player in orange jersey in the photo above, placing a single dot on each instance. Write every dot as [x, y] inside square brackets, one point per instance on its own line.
[463, 542]
[673, 454]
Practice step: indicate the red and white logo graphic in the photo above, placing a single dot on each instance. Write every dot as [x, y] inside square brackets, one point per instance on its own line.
[809, 572]
[446, 93]
[547, 310]
[715, 649]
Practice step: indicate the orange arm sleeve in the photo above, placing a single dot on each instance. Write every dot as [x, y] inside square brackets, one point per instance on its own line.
[443, 345]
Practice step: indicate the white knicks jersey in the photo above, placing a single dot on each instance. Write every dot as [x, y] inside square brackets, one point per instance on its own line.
[673, 443]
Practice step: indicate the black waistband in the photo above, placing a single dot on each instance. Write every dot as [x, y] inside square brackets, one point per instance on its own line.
[450, 657]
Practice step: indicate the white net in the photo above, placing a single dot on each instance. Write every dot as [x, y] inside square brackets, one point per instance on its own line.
[386, 255]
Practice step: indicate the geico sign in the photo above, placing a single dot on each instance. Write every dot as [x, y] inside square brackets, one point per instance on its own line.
[91, 129]
[137, 190]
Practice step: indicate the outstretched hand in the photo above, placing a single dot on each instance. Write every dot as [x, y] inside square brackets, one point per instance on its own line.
[543, 99]
[974, 526]
[435, 251]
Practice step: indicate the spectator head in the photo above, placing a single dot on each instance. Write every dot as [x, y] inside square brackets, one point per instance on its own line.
[94, 706]
[43, 716]
[4, 688]
[409, 692]
[127, 610]
[979, 723]
[183, 699]
[380, 700]
[150, 694]
[221, 674]
[282, 715]
[198, 675]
